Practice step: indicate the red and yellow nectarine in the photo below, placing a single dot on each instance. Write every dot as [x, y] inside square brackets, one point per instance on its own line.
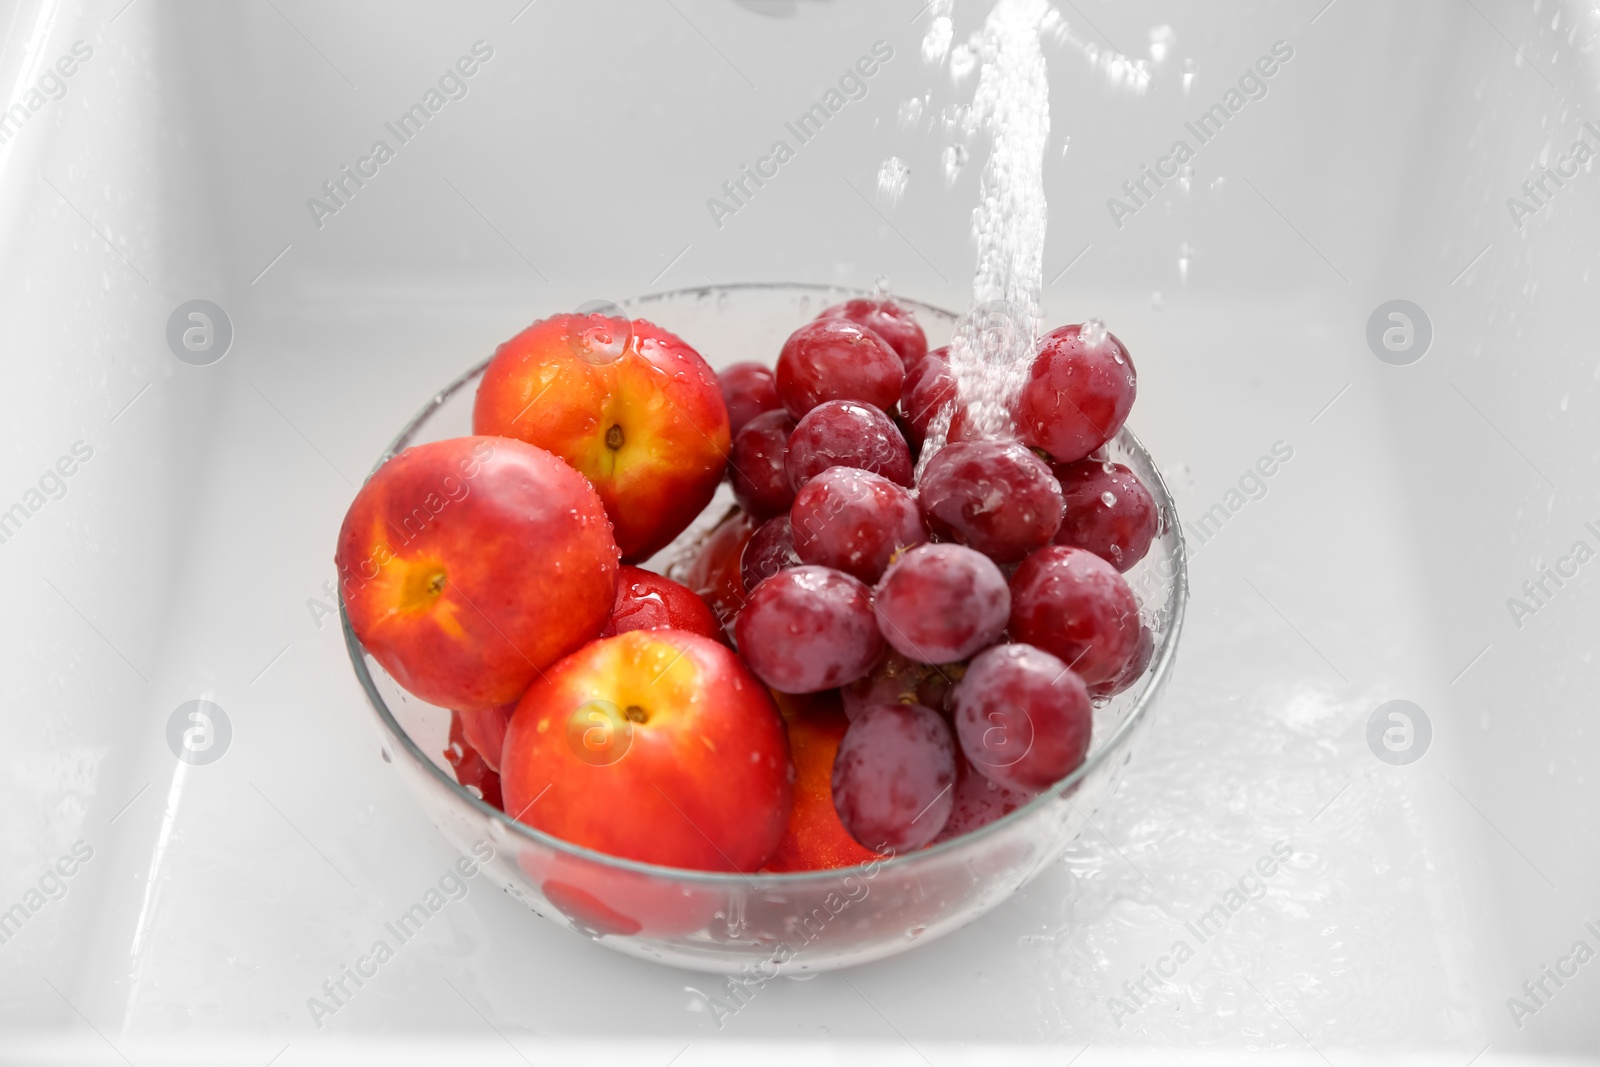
[468, 566]
[648, 428]
[654, 745]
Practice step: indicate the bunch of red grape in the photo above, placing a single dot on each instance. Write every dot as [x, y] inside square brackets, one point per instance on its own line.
[969, 616]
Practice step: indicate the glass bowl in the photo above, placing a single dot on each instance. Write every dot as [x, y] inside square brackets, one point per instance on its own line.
[773, 923]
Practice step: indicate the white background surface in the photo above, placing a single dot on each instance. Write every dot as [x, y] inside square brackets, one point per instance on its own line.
[180, 562]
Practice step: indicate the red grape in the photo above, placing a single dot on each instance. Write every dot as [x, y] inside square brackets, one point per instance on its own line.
[756, 467]
[942, 603]
[994, 496]
[890, 321]
[844, 433]
[854, 521]
[648, 601]
[893, 776]
[1075, 606]
[748, 389]
[978, 802]
[1078, 393]
[1132, 671]
[807, 629]
[1109, 511]
[927, 390]
[1023, 717]
[834, 359]
[897, 680]
[769, 550]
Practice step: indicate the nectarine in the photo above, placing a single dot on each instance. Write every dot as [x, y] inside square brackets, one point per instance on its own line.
[654, 745]
[468, 566]
[648, 428]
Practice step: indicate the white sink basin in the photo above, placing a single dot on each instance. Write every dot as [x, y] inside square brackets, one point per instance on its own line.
[188, 554]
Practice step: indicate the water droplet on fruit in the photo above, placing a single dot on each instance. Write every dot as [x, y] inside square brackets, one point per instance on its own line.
[1108, 498]
[954, 157]
[600, 333]
[1092, 333]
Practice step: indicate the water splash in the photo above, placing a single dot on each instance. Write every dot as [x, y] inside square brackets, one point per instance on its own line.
[963, 57]
[954, 157]
[993, 344]
[1161, 41]
[892, 176]
[936, 42]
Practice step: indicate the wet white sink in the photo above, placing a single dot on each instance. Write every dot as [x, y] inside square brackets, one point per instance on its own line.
[188, 554]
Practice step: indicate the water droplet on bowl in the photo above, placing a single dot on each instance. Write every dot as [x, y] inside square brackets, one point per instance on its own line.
[1161, 41]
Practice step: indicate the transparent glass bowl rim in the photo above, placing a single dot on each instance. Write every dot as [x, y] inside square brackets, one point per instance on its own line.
[1163, 660]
